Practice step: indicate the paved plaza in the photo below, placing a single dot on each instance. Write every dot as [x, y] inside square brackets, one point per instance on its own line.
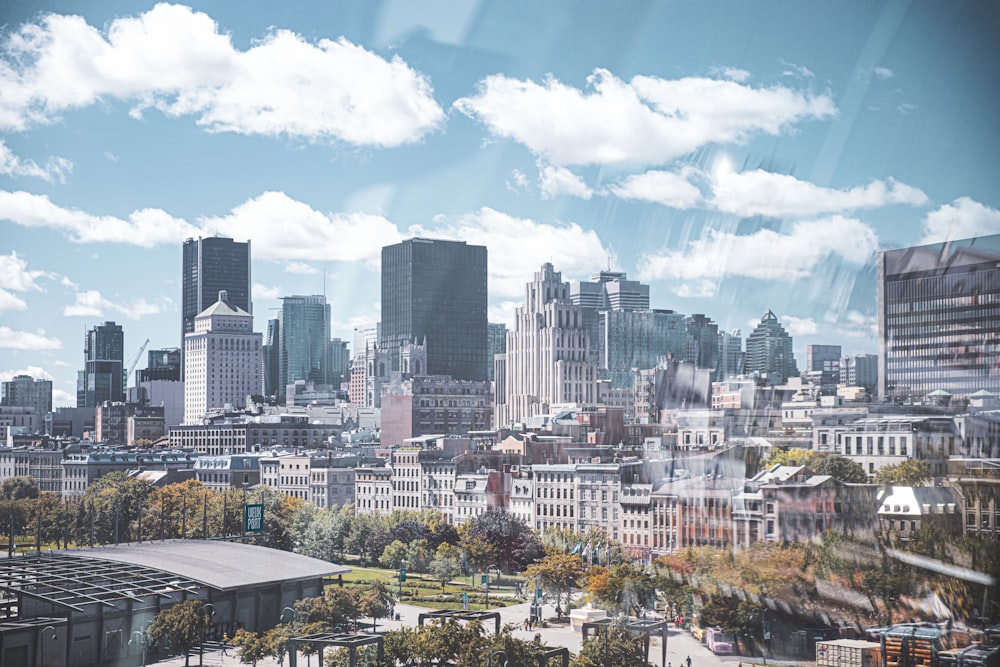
[680, 644]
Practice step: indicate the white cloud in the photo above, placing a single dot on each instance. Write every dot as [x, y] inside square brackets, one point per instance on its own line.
[519, 246]
[760, 192]
[857, 325]
[36, 372]
[518, 181]
[145, 227]
[503, 312]
[800, 326]
[16, 277]
[663, 187]
[90, 303]
[763, 255]
[301, 268]
[962, 219]
[280, 227]
[883, 73]
[176, 60]
[647, 121]
[61, 398]
[265, 292]
[731, 73]
[906, 109]
[800, 71]
[554, 181]
[54, 169]
[26, 340]
[283, 228]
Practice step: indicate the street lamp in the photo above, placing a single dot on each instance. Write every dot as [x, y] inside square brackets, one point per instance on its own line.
[209, 614]
[41, 641]
[142, 638]
[764, 633]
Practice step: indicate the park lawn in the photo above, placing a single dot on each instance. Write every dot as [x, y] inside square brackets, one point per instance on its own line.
[426, 587]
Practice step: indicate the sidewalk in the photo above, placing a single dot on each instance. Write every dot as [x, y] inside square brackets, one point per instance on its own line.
[680, 643]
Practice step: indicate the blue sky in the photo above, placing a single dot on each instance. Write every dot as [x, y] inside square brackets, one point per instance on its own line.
[738, 157]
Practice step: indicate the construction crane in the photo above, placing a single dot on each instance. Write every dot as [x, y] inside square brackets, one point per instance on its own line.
[133, 362]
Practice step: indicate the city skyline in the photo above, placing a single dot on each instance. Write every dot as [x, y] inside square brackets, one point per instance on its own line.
[739, 160]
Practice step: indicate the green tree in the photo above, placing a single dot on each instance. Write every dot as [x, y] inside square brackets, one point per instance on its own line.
[622, 587]
[558, 572]
[374, 602]
[910, 472]
[446, 564]
[502, 537]
[112, 505]
[179, 628]
[838, 467]
[250, 647]
[613, 646]
[393, 555]
[323, 537]
[21, 487]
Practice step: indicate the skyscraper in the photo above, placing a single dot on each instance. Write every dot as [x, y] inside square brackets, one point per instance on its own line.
[434, 291]
[939, 318]
[223, 360]
[548, 353]
[272, 357]
[26, 392]
[497, 344]
[731, 357]
[102, 378]
[769, 351]
[824, 358]
[702, 342]
[305, 341]
[211, 265]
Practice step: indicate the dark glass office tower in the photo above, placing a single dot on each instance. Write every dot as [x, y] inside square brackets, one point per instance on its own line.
[305, 341]
[435, 290]
[769, 351]
[213, 265]
[102, 378]
[939, 318]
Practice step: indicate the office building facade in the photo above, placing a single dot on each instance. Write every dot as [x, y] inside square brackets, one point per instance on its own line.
[211, 265]
[434, 294]
[26, 392]
[102, 378]
[769, 351]
[860, 370]
[305, 341]
[939, 318]
[223, 361]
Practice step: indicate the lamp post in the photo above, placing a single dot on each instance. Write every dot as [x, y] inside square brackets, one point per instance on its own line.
[402, 577]
[246, 482]
[142, 638]
[41, 641]
[209, 614]
[764, 634]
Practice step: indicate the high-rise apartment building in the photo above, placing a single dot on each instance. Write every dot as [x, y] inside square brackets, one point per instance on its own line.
[496, 343]
[272, 357]
[223, 360]
[434, 293]
[102, 378]
[211, 265]
[305, 341]
[939, 318]
[548, 359]
[25, 391]
[769, 351]
[860, 370]
[825, 358]
[702, 342]
[731, 357]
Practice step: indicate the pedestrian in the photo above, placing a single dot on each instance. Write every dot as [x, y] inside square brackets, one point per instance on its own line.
[688, 661]
[527, 623]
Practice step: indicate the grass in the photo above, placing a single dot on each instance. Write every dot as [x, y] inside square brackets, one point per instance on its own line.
[424, 591]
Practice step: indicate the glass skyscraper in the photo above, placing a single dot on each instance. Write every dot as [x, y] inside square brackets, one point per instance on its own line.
[939, 318]
[102, 378]
[305, 341]
[769, 351]
[212, 265]
[434, 291]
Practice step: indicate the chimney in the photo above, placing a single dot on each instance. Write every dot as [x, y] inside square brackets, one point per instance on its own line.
[223, 295]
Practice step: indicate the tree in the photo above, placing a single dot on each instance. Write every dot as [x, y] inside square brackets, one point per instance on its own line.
[374, 602]
[910, 472]
[613, 646]
[558, 572]
[446, 564]
[180, 627]
[503, 538]
[323, 537]
[838, 467]
[19, 488]
[250, 647]
[393, 555]
[622, 587]
[112, 505]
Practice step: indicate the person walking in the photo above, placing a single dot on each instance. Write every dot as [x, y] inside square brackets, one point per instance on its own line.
[688, 661]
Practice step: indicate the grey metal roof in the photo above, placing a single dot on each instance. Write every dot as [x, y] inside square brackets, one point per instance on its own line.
[219, 565]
